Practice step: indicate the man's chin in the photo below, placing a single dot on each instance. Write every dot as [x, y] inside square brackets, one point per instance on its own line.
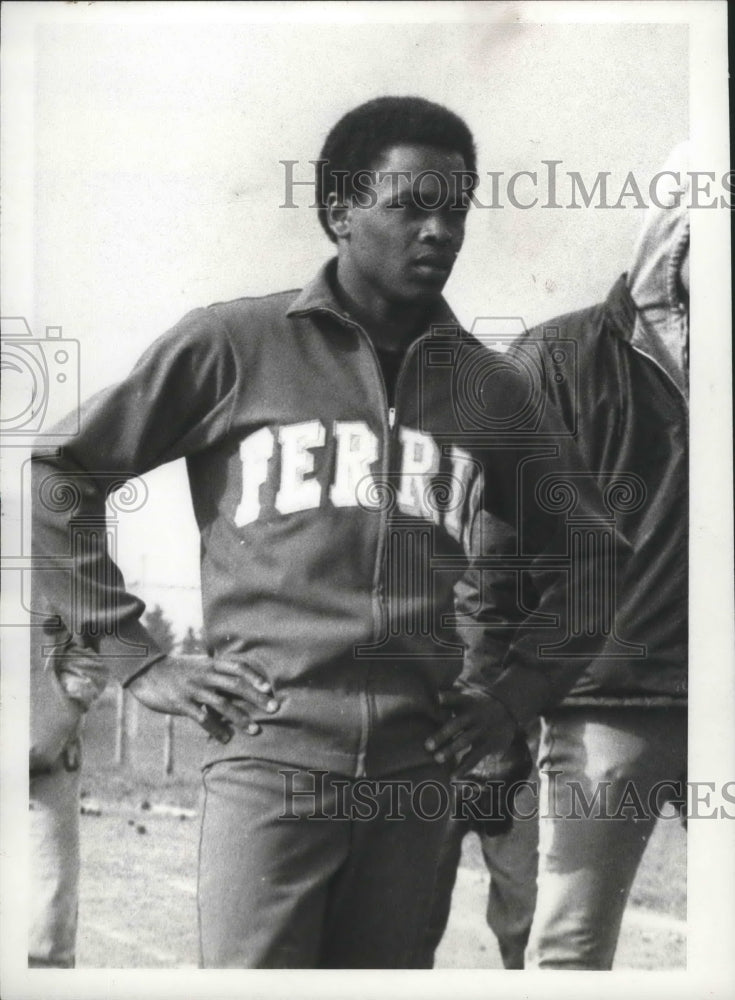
[434, 274]
[429, 282]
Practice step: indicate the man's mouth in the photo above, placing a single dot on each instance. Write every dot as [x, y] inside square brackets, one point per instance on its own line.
[435, 263]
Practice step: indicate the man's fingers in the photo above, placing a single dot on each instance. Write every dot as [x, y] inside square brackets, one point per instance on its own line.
[474, 756]
[214, 724]
[456, 750]
[448, 732]
[225, 707]
[236, 686]
[453, 699]
[196, 712]
[183, 685]
[239, 666]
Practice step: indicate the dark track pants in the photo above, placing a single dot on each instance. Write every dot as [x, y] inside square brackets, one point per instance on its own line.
[512, 862]
[331, 891]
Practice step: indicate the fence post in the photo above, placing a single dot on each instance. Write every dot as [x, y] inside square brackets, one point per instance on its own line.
[121, 732]
[168, 746]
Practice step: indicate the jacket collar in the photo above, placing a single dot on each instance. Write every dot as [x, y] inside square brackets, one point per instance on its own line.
[620, 309]
[644, 333]
[319, 296]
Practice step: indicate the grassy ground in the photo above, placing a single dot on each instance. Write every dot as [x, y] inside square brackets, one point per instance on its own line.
[138, 899]
[138, 891]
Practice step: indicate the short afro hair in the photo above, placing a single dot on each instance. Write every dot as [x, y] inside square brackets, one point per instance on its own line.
[362, 135]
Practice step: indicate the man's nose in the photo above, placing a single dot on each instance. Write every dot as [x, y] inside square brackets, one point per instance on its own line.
[436, 229]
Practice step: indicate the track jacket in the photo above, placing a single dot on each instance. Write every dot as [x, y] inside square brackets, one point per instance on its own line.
[333, 532]
[628, 409]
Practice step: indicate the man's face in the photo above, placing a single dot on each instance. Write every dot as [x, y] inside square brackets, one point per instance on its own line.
[403, 247]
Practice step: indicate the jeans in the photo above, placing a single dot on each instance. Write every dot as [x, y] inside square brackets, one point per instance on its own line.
[606, 775]
[54, 863]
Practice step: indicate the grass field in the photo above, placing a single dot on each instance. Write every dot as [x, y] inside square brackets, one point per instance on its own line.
[138, 889]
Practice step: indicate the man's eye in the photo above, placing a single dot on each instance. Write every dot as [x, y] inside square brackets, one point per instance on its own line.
[420, 206]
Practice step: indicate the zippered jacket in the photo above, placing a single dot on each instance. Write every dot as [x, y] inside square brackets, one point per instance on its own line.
[334, 533]
[627, 406]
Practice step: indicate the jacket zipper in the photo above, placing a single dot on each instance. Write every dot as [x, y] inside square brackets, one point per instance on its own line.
[388, 419]
[389, 425]
[378, 597]
[379, 608]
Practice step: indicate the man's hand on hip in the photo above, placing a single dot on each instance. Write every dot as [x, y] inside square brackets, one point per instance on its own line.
[480, 725]
[216, 693]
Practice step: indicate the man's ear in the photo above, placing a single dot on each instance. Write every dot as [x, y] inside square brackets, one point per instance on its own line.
[339, 216]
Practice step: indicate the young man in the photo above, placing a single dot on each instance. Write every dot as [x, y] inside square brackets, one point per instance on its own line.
[337, 492]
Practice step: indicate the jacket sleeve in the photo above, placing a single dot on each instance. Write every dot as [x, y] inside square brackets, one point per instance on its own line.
[487, 599]
[545, 556]
[176, 401]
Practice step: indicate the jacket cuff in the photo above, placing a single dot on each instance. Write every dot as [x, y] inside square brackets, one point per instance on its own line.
[129, 651]
[138, 673]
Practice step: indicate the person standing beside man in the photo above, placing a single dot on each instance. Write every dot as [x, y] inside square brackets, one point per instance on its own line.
[613, 755]
[59, 699]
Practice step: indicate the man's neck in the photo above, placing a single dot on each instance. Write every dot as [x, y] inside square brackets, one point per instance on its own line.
[391, 326]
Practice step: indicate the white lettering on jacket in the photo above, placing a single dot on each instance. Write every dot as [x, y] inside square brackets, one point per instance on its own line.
[462, 472]
[255, 452]
[420, 462]
[356, 450]
[297, 492]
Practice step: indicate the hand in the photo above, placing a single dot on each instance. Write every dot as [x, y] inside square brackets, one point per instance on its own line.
[216, 693]
[55, 719]
[480, 725]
